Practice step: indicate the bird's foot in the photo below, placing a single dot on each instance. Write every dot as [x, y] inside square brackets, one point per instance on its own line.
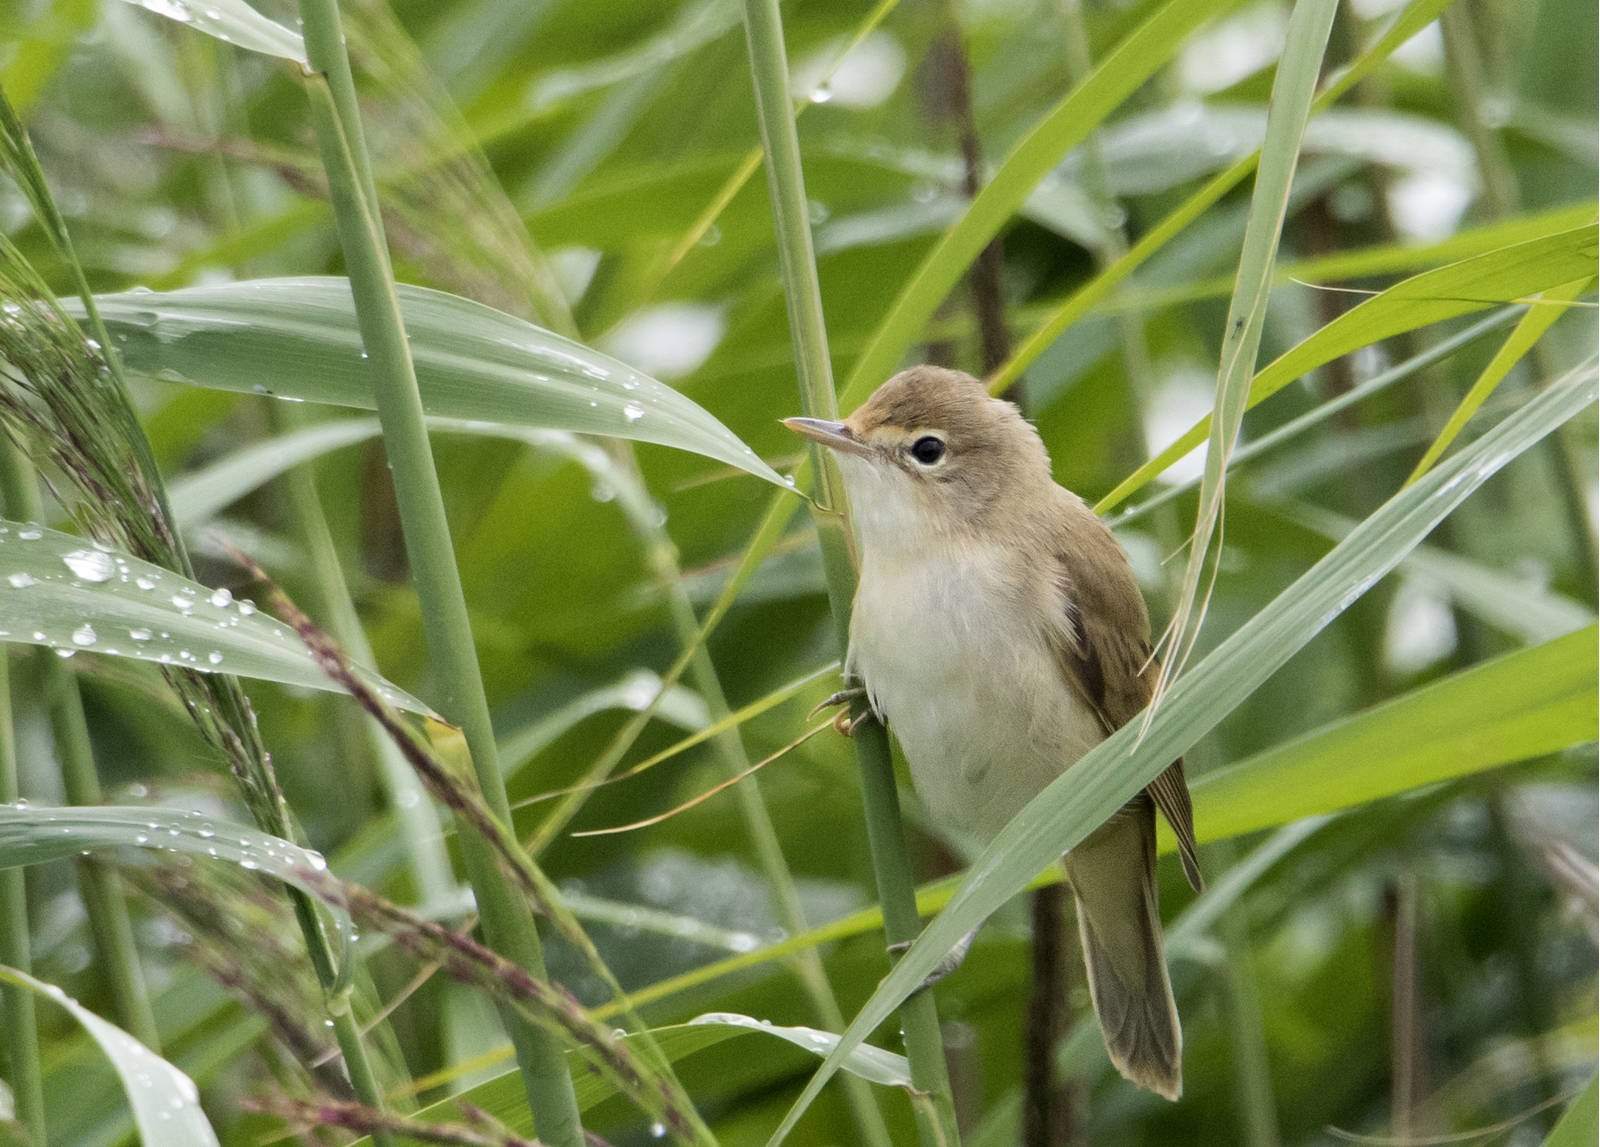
[844, 721]
[952, 959]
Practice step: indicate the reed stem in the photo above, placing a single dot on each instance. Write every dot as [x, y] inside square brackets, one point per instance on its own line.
[507, 918]
[936, 1122]
[20, 1025]
[419, 822]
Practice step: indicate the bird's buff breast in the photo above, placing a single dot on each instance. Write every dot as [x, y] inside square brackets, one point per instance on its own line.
[968, 684]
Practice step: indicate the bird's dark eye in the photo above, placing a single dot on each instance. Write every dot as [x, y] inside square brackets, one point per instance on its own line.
[927, 449]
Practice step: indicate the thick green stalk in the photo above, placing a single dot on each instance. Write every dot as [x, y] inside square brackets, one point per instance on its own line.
[797, 263]
[98, 884]
[361, 738]
[730, 751]
[18, 1021]
[507, 918]
[419, 823]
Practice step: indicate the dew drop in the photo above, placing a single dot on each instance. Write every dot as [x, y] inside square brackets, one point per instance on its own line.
[222, 598]
[22, 580]
[633, 412]
[214, 657]
[84, 635]
[90, 565]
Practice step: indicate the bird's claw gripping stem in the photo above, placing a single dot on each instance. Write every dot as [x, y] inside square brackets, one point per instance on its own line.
[843, 721]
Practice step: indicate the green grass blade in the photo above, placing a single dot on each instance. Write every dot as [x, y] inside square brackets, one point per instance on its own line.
[635, 692]
[70, 595]
[298, 339]
[233, 22]
[1580, 1122]
[1475, 284]
[1516, 707]
[1144, 51]
[1380, 259]
[1529, 612]
[1540, 318]
[200, 495]
[34, 834]
[1094, 788]
[1407, 24]
[165, 1101]
[1326, 410]
[1289, 109]
[501, 1096]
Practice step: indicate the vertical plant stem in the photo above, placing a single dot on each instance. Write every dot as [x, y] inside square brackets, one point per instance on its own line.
[360, 736]
[1405, 1022]
[507, 918]
[987, 276]
[419, 823]
[98, 884]
[1048, 1107]
[729, 749]
[1130, 321]
[891, 864]
[18, 1021]
[661, 560]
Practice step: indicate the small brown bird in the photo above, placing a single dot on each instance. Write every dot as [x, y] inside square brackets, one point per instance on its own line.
[999, 631]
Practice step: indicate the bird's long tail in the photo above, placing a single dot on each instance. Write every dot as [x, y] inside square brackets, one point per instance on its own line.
[1113, 875]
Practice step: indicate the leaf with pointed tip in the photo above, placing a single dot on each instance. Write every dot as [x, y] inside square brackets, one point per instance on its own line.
[63, 592]
[1474, 284]
[503, 1097]
[33, 834]
[1516, 707]
[297, 339]
[165, 1101]
[1581, 1120]
[233, 22]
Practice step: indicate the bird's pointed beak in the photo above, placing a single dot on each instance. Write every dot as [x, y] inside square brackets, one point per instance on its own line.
[833, 435]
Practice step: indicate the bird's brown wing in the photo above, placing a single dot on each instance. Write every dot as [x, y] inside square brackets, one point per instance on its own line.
[1104, 650]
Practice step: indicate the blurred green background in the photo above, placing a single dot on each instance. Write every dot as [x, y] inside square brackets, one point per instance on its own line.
[1423, 965]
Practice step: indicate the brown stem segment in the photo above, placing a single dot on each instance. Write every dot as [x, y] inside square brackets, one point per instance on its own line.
[1048, 1111]
[950, 92]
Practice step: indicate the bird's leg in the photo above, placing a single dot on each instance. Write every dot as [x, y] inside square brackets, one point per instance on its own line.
[952, 959]
[843, 721]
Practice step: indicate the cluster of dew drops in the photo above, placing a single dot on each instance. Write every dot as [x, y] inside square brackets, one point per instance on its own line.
[96, 563]
[179, 831]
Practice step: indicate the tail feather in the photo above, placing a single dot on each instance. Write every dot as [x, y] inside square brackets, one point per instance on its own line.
[1113, 876]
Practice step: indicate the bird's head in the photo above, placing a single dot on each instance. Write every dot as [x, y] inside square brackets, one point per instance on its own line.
[931, 455]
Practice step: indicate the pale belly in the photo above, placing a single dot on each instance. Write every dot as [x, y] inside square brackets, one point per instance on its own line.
[975, 697]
